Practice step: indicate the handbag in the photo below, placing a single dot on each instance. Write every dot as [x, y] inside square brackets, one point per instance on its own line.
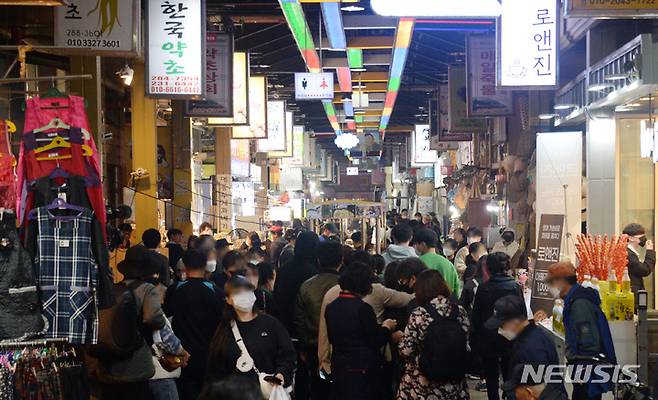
[246, 364]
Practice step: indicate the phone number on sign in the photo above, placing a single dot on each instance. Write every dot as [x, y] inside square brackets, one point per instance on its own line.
[93, 43]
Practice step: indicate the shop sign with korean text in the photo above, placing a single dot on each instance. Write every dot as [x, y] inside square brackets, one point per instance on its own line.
[290, 120]
[99, 27]
[528, 44]
[422, 152]
[484, 98]
[276, 127]
[218, 101]
[459, 121]
[297, 158]
[612, 8]
[549, 245]
[175, 52]
[257, 127]
[314, 86]
[240, 94]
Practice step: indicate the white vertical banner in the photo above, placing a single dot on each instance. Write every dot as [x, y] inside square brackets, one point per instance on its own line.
[528, 39]
[559, 182]
[176, 49]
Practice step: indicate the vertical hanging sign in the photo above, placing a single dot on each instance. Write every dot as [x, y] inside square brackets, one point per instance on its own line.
[218, 100]
[175, 55]
[484, 99]
[528, 40]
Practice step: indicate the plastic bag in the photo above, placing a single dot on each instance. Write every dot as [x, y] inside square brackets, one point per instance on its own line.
[279, 393]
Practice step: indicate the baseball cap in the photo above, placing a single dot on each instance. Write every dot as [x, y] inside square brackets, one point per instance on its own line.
[506, 309]
[560, 270]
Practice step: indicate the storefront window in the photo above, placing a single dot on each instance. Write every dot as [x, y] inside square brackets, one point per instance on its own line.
[636, 185]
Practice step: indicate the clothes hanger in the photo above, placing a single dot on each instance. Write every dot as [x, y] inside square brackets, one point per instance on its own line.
[57, 123]
[58, 142]
[58, 204]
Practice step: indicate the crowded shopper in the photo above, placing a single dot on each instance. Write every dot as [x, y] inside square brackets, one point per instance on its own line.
[401, 235]
[530, 346]
[196, 306]
[233, 262]
[435, 302]
[641, 256]
[278, 243]
[587, 333]
[407, 273]
[175, 247]
[308, 309]
[264, 297]
[449, 248]
[288, 250]
[419, 217]
[328, 230]
[476, 251]
[356, 337]
[426, 242]
[206, 245]
[249, 342]
[507, 243]
[475, 275]
[473, 235]
[128, 377]
[152, 239]
[206, 229]
[492, 347]
[459, 235]
[222, 246]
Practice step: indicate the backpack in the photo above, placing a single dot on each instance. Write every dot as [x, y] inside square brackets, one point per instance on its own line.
[119, 333]
[445, 356]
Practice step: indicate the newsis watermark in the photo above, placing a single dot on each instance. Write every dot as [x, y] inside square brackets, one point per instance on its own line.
[626, 374]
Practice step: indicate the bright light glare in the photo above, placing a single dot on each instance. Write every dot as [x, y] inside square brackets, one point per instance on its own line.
[437, 8]
[599, 86]
[564, 106]
[493, 208]
[546, 116]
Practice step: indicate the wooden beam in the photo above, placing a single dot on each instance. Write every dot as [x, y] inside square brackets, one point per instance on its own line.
[371, 42]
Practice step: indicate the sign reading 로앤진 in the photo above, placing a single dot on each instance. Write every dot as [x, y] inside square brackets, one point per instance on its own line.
[314, 86]
[528, 39]
[98, 26]
[484, 98]
[218, 100]
[549, 244]
[175, 57]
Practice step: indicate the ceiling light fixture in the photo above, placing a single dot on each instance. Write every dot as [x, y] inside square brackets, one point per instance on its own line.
[545, 117]
[597, 87]
[352, 8]
[564, 106]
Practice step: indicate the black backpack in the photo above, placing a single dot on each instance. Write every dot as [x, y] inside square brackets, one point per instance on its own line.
[119, 333]
[444, 355]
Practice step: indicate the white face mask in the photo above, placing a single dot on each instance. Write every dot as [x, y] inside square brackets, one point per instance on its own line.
[555, 292]
[211, 266]
[244, 301]
[509, 335]
[448, 252]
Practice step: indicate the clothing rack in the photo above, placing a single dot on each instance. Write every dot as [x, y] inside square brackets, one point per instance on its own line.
[31, 343]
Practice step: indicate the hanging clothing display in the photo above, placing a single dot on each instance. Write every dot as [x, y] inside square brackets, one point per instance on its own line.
[20, 311]
[7, 171]
[41, 373]
[66, 273]
[56, 137]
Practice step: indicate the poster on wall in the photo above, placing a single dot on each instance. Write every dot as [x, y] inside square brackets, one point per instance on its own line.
[288, 152]
[549, 244]
[458, 120]
[175, 60]
[240, 94]
[257, 128]
[370, 143]
[559, 181]
[218, 101]
[484, 99]
[240, 158]
[421, 151]
[276, 128]
[314, 86]
[84, 25]
[528, 39]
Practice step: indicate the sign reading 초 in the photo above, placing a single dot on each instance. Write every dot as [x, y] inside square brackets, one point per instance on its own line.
[484, 98]
[175, 57]
[549, 245]
[218, 100]
[528, 40]
[314, 86]
[98, 27]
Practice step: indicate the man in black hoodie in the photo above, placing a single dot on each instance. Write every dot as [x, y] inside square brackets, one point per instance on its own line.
[641, 256]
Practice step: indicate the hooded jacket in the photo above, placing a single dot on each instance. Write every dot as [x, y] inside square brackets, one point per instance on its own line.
[397, 252]
[587, 331]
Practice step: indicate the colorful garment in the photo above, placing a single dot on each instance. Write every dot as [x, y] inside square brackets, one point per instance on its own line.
[67, 275]
[413, 384]
[7, 172]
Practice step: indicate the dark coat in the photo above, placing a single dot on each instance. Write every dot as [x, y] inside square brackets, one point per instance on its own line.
[638, 270]
[288, 281]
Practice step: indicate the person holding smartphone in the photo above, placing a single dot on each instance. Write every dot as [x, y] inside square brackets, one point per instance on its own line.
[249, 342]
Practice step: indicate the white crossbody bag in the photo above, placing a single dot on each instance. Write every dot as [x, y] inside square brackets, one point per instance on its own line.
[246, 364]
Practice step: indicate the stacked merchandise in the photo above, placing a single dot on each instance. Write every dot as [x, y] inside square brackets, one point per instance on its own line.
[603, 265]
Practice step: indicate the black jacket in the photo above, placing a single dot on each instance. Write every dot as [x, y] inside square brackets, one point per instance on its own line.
[309, 304]
[638, 270]
[175, 253]
[496, 287]
[288, 281]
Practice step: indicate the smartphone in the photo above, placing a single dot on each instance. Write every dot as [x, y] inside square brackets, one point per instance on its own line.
[273, 380]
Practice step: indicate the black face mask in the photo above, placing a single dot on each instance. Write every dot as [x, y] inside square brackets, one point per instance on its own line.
[643, 241]
[153, 281]
[508, 237]
[404, 287]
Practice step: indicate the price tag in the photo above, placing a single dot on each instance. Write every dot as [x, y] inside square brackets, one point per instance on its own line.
[64, 243]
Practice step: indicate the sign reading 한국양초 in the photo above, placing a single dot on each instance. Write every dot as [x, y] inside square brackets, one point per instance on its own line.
[549, 245]
[484, 98]
[101, 27]
[218, 100]
[528, 39]
[314, 86]
[175, 55]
